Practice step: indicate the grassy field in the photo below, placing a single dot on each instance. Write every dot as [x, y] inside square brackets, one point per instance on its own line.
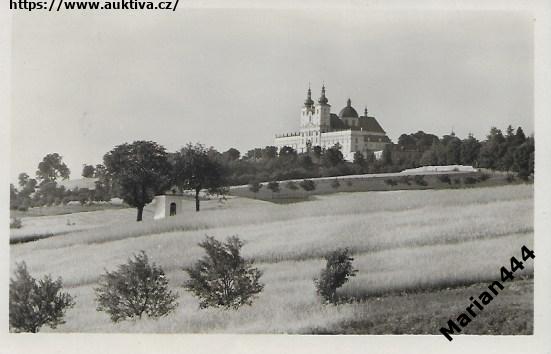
[419, 255]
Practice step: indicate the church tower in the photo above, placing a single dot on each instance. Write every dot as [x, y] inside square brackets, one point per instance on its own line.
[322, 112]
[307, 112]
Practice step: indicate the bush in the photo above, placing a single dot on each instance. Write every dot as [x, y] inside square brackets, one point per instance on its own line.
[274, 187]
[420, 180]
[470, 180]
[308, 185]
[337, 271]
[391, 182]
[36, 303]
[223, 278]
[292, 185]
[445, 179]
[335, 184]
[135, 289]
[483, 177]
[15, 223]
[510, 178]
[349, 182]
[405, 180]
[456, 181]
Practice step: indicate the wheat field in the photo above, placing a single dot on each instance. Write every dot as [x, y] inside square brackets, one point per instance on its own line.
[406, 245]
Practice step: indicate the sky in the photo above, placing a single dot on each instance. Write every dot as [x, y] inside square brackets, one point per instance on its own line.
[83, 83]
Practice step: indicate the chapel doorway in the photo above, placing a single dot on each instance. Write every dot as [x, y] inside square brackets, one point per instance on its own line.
[172, 209]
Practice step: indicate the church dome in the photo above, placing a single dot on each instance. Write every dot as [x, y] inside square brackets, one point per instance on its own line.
[348, 111]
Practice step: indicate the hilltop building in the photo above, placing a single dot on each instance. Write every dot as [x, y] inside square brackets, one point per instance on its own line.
[320, 127]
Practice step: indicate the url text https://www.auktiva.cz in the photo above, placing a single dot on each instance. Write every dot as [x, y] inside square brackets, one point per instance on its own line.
[59, 5]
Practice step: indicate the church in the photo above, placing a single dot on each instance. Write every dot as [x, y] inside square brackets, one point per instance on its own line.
[320, 127]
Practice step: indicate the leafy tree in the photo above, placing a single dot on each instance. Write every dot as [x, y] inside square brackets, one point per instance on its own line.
[34, 304]
[338, 270]
[359, 159]
[523, 160]
[255, 187]
[135, 289]
[88, 171]
[140, 170]
[269, 153]
[223, 278]
[51, 168]
[23, 179]
[470, 149]
[333, 156]
[231, 155]
[193, 169]
[520, 138]
[287, 155]
[274, 187]
[13, 197]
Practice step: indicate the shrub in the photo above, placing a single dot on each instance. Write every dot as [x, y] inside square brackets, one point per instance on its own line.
[456, 181]
[405, 180]
[337, 271]
[335, 184]
[15, 223]
[308, 185]
[510, 178]
[135, 289]
[391, 182]
[292, 185]
[223, 278]
[470, 180]
[36, 303]
[349, 183]
[420, 180]
[445, 179]
[274, 187]
[483, 177]
[255, 187]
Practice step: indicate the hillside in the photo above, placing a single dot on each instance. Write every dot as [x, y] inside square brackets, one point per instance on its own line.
[420, 255]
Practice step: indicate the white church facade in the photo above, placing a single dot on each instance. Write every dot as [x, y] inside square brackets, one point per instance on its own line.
[320, 127]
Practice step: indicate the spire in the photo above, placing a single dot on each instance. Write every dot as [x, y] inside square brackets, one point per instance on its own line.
[323, 99]
[348, 102]
[309, 102]
[365, 111]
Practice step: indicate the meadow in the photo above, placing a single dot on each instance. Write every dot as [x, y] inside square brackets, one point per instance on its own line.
[420, 254]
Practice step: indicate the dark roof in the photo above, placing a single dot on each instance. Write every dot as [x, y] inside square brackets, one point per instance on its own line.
[336, 123]
[370, 124]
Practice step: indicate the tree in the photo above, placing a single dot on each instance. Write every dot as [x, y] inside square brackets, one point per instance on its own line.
[23, 179]
[135, 289]
[223, 278]
[338, 270]
[193, 169]
[359, 160]
[140, 170]
[269, 153]
[88, 171]
[51, 168]
[34, 304]
[13, 197]
[470, 149]
[523, 162]
[274, 187]
[333, 156]
[231, 155]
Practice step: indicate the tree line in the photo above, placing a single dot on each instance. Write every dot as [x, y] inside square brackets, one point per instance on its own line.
[136, 172]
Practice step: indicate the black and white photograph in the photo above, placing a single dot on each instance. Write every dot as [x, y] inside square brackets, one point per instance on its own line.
[314, 171]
